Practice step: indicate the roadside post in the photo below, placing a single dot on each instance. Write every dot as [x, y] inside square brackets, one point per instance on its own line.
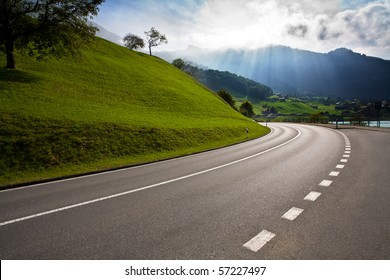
[378, 107]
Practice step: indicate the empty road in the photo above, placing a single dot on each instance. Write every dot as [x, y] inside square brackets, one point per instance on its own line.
[301, 192]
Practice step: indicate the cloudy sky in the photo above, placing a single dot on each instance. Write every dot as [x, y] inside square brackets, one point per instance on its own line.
[317, 25]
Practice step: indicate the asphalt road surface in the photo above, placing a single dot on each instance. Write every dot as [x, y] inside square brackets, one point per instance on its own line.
[301, 192]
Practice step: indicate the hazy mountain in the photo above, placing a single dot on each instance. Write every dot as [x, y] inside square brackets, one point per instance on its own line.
[341, 73]
[108, 35]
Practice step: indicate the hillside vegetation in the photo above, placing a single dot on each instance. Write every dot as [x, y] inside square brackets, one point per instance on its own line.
[237, 86]
[111, 108]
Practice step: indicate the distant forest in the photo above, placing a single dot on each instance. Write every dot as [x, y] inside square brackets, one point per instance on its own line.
[237, 86]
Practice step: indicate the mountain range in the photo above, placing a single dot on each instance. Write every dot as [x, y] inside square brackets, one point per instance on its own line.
[339, 73]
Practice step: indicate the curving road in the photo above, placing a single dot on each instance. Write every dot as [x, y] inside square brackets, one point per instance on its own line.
[301, 192]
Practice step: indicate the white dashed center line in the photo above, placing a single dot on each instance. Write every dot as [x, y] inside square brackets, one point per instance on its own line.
[312, 196]
[259, 240]
[325, 183]
[292, 213]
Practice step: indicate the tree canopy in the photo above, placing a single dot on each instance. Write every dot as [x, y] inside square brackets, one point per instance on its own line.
[46, 27]
[186, 66]
[179, 63]
[228, 98]
[133, 42]
[246, 109]
[155, 38]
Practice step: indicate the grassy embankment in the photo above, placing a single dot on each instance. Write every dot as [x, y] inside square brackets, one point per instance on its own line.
[112, 108]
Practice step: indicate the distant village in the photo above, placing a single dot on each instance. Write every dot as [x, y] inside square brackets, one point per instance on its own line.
[348, 109]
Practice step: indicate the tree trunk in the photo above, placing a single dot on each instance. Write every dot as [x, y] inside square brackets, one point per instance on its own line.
[150, 50]
[10, 47]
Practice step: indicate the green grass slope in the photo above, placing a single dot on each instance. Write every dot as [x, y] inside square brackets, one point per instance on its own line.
[112, 108]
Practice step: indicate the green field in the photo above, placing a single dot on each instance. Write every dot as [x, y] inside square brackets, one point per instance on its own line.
[292, 106]
[295, 107]
[111, 108]
[287, 108]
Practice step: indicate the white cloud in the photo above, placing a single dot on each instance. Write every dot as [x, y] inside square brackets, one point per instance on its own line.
[320, 25]
[364, 29]
[240, 23]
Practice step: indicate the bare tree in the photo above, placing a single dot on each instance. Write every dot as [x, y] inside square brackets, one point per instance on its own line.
[155, 38]
[133, 42]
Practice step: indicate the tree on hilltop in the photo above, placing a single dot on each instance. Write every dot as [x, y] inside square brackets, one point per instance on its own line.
[155, 38]
[133, 42]
[46, 27]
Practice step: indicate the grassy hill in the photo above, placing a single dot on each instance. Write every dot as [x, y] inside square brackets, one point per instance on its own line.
[112, 108]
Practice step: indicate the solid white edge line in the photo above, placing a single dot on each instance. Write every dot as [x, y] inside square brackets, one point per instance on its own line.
[128, 168]
[150, 186]
[257, 242]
